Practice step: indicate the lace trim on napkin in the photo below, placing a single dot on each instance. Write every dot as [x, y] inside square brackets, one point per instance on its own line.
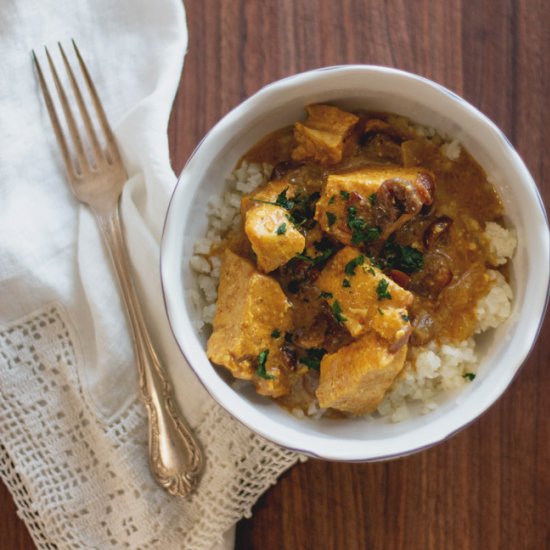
[81, 482]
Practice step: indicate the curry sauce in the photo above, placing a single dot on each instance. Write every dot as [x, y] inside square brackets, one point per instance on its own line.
[375, 238]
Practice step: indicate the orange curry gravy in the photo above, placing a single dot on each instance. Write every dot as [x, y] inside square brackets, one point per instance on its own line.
[441, 310]
[447, 272]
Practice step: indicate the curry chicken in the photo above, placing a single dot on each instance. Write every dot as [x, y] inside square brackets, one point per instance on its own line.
[366, 242]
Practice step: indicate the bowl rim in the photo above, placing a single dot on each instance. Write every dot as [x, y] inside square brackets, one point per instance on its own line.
[313, 444]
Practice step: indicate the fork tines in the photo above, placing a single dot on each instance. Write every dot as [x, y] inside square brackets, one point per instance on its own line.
[97, 157]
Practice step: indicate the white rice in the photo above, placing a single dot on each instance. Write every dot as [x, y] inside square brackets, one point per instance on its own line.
[502, 242]
[223, 214]
[451, 149]
[424, 131]
[494, 308]
[429, 370]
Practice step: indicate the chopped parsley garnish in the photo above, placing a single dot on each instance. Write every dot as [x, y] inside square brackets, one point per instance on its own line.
[352, 212]
[411, 259]
[344, 195]
[304, 257]
[375, 262]
[337, 311]
[331, 200]
[469, 375]
[283, 201]
[373, 199]
[276, 333]
[325, 248]
[303, 209]
[405, 258]
[360, 231]
[331, 218]
[294, 221]
[281, 230]
[326, 294]
[325, 255]
[300, 208]
[346, 283]
[382, 290]
[313, 358]
[260, 371]
[405, 318]
[349, 268]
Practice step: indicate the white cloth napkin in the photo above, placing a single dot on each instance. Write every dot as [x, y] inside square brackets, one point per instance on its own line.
[73, 434]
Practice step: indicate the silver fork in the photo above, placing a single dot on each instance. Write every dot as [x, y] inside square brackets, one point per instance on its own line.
[97, 178]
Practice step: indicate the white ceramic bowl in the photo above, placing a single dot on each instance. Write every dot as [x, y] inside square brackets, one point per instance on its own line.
[375, 88]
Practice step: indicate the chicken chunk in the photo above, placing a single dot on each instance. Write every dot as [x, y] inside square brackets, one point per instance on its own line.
[371, 203]
[309, 319]
[322, 136]
[267, 224]
[356, 377]
[251, 308]
[364, 299]
[273, 236]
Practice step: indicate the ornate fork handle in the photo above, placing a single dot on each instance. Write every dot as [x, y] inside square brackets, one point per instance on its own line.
[175, 457]
[97, 177]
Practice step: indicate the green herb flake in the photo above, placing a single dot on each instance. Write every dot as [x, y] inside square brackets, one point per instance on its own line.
[349, 268]
[331, 219]
[337, 311]
[404, 258]
[405, 318]
[260, 371]
[382, 290]
[276, 333]
[325, 255]
[375, 262]
[283, 201]
[344, 195]
[313, 357]
[346, 283]
[281, 230]
[360, 231]
[331, 200]
[304, 257]
[469, 375]
[326, 295]
[368, 269]
[373, 199]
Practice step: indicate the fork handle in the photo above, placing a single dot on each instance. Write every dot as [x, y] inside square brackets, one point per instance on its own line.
[175, 456]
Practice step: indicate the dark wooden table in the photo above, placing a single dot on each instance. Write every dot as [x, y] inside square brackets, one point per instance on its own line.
[489, 486]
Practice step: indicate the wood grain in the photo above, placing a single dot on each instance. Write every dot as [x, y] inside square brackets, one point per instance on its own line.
[489, 486]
